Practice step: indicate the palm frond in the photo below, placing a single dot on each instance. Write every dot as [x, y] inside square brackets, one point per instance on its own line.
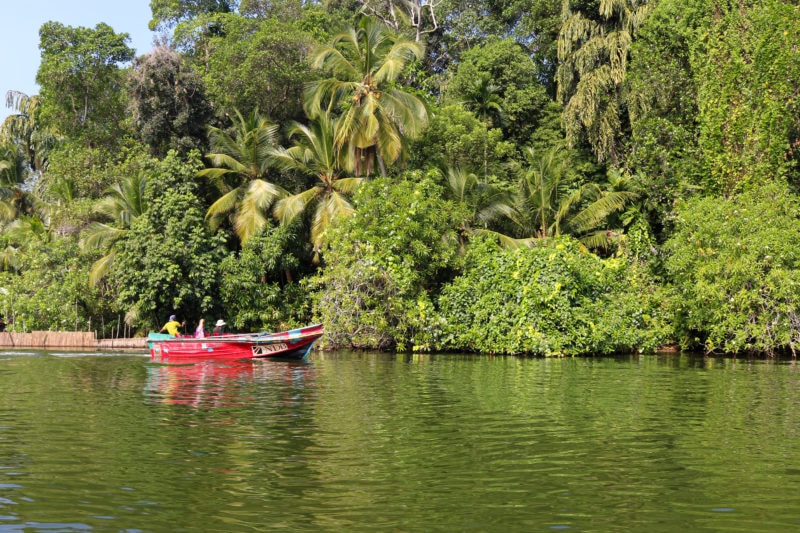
[101, 267]
[347, 185]
[286, 209]
[594, 214]
[222, 207]
[509, 243]
[100, 236]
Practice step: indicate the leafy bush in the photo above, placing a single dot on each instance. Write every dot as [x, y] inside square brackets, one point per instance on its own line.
[735, 267]
[553, 299]
[251, 292]
[169, 262]
[383, 264]
[50, 292]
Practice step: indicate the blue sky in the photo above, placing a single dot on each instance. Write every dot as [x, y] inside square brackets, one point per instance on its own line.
[19, 38]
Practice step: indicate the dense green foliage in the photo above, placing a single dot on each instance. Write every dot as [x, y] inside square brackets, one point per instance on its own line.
[555, 299]
[737, 278]
[170, 108]
[749, 110]
[259, 65]
[170, 262]
[81, 83]
[383, 265]
[557, 177]
[49, 292]
[253, 290]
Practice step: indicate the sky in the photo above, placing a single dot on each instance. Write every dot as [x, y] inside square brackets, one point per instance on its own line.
[19, 38]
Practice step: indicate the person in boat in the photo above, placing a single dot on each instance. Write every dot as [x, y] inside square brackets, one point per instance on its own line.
[2, 324]
[219, 329]
[200, 330]
[173, 327]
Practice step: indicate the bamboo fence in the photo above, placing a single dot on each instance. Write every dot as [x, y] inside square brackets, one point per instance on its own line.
[66, 339]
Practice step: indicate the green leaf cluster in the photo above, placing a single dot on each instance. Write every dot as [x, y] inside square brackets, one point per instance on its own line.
[736, 279]
[253, 292]
[383, 264]
[170, 261]
[749, 109]
[553, 299]
[49, 291]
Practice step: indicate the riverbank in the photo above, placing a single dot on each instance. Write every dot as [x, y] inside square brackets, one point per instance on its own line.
[67, 339]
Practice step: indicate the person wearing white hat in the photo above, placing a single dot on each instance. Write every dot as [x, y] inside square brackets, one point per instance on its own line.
[220, 327]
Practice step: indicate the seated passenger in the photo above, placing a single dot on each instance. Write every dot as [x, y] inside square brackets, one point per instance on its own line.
[172, 327]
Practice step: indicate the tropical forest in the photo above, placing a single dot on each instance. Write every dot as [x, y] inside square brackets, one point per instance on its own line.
[533, 177]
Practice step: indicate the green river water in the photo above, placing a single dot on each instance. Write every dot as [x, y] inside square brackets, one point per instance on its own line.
[373, 442]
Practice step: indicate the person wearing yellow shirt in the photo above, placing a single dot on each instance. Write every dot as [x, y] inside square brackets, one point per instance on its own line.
[172, 327]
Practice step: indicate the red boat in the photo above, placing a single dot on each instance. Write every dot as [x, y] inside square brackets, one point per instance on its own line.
[292, 344]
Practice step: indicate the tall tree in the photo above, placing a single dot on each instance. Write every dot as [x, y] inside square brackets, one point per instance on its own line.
[260, 64]
[241, 162]
[593, 48]
[82, 86]
[170, 108]
[483, 99]
[168, 13]
[169, 261]
[420, 15]
[377, 114]
[315, 153]
[662, 85]
[513, 79]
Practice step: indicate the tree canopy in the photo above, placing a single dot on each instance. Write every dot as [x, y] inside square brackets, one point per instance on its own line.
[549, 177]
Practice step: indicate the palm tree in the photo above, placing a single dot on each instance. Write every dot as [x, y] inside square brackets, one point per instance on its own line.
[34, 225]
[376, 114]
[549, 202]
[315, 153]
[593, 50]
[482, 203]
[14, 201]
[484, 100]
[241, 163]
[123, 204]
[22, 128]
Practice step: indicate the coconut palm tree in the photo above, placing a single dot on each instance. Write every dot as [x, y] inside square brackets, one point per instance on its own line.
[241, 162]
[376, 114]
[484, 100]
[14, 200]
[123, 204]
[549, 202]
[315, 154]
[481, 202]
[22, 128]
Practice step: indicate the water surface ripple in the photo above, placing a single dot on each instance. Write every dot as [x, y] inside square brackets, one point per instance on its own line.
[370, 442]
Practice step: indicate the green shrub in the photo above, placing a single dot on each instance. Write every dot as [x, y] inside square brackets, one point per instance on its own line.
[382, 265]
[253, 291]
[553, 299]
[735, 269]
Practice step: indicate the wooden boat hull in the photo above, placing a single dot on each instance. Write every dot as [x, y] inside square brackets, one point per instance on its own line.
[292, 344]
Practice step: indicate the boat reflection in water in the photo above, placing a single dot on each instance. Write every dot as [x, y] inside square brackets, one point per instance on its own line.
[224, 383]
